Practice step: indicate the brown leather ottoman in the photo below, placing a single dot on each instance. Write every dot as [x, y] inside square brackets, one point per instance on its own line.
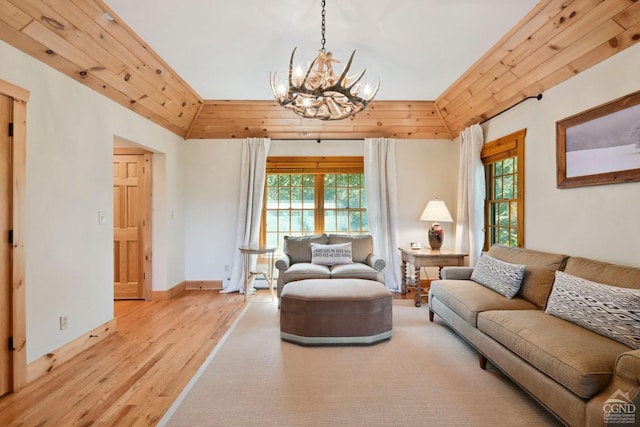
[335, 311]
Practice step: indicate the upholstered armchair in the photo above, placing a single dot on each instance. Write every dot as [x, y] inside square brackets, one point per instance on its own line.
[328, 257]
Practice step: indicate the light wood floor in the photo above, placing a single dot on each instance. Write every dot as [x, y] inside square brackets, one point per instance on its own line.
[132, 377]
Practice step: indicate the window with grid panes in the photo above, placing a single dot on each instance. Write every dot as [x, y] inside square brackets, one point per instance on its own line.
[503, 160]
[344, 204]
[310, 195]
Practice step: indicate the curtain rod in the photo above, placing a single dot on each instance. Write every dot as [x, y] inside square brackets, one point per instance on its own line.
[538, 97]
[318, 140]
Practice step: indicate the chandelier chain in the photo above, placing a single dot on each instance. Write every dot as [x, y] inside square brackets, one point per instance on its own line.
[323, 40]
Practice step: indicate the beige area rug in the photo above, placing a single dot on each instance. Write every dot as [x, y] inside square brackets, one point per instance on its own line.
[424, 376]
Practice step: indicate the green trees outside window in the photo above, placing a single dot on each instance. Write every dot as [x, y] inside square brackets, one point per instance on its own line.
[502, 201]
[345, 204]
[503, 161]
[313, 203]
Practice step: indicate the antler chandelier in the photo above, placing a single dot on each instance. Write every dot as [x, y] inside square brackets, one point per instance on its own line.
[319, 92]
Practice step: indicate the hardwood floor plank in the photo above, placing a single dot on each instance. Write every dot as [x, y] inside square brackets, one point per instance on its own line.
[132, 377]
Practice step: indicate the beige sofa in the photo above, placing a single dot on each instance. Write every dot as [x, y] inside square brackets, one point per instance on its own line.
[581, 376]
[296, 262]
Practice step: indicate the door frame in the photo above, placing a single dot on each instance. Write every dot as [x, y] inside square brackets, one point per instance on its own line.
[20, 98]
[146, 259]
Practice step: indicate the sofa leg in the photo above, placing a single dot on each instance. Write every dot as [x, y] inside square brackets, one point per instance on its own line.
[431, 313]
[483, 361]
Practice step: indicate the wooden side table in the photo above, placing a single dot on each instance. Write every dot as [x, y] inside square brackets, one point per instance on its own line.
[424, 258]
[249, 275]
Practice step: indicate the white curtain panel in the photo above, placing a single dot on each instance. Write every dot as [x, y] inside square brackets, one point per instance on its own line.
[252, 180]
[471, 194]
[382, 204]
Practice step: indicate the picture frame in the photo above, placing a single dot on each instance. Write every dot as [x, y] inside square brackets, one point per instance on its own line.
[600, 145]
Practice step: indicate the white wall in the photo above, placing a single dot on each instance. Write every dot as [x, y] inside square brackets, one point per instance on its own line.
[601, 222]
[212, 181]
[426, 170]
[69, 256]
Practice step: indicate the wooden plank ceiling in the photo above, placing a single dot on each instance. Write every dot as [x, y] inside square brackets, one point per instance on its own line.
[391, 119]
[78, 39]
[556, 40]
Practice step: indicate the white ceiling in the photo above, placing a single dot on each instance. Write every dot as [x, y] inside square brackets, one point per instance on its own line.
[226, 49]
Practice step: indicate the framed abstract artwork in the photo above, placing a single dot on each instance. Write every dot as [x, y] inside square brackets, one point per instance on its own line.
[600, 145]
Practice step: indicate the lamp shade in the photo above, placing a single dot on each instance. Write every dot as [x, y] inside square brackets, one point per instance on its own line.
[436, 211]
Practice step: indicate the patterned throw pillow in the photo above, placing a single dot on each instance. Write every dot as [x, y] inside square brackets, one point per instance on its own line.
[502, 277]
[331, 254]
[607, 310]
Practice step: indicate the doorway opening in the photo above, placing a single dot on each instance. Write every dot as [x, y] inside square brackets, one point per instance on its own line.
[132, 223]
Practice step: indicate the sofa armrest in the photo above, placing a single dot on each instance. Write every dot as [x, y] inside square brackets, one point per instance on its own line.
[456, 273]
[283, 263]
[628, 366]
[376, 262]
[625, 382]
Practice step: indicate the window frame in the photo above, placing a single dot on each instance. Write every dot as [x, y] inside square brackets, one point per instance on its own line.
[508, 146]
[316, 165]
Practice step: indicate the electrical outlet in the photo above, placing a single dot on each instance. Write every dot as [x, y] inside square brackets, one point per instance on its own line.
[64, 322]
[226, 267]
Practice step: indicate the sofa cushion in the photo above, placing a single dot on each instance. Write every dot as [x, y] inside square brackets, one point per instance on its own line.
[361, 244]
[355, 270]
[331, 254]
[602, 272]
[299, 247]
[466, 298]
[539, 270]
[500, 276]
[577, 358]
[607, 310]
[306, 270]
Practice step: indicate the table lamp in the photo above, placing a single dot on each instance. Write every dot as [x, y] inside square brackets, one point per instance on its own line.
[437, 212]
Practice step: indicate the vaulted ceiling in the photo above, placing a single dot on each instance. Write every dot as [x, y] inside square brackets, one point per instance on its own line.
[200, 69]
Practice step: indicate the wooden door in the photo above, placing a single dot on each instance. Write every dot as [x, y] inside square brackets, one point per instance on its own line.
[131, 222]
[6, 279]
